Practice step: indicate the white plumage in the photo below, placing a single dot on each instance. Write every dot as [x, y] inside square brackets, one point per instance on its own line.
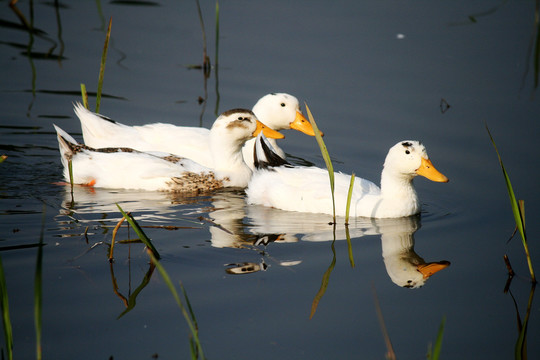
[278, 111]
[307, 189]
[126, 168]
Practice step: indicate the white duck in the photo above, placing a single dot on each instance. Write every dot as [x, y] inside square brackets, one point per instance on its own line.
[132, 169]
[278, 111]
[307, 189]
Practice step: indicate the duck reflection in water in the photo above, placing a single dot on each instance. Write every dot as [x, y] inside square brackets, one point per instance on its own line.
[253, 226]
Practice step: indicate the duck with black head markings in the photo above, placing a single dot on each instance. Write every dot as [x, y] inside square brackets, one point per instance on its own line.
[128, 168]
[307, 189]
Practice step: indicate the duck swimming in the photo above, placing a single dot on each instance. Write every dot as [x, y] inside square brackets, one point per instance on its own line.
[127, 168]
[278, 111]
[307, 189]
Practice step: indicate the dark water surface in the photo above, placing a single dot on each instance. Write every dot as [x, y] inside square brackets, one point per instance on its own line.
[373, 73]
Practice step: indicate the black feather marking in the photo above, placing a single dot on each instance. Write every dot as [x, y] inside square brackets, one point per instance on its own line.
[107, 118]
[406, 144]
[272, 159]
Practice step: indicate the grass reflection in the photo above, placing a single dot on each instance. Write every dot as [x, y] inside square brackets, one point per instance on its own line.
[4, 304]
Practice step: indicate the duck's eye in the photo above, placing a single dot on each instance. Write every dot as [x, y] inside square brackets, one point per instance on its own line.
[407, 152]
[282, 104]
[241, 118]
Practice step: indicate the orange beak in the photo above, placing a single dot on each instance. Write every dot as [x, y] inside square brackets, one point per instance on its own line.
[429, 269]
[269, 133]
[427, 170]
[300, 123]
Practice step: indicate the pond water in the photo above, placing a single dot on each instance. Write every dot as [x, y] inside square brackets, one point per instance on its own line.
[373, 73]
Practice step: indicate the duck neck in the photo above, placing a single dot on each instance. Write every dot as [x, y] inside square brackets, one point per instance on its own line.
[229, 162]
[398, 187]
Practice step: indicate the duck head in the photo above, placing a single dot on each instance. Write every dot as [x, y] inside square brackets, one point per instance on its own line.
[409, 158]
[241, 125]
[281, 111]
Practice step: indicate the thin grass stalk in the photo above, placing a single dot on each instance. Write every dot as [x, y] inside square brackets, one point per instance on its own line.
[516, 209]
[216, 57]
[70, 169]
[154, 256]
[326, 157]
[113, 240]
[349, 196]
[436, 351]
[38, 290]
[390, 354]
[187, 317]
[145, 239]
[84, 96]
[4, 303]
[349, 245]
[102, 67]
[206, 59]
[520, 350]
[132, 300]
[325, 279]
[537, 47]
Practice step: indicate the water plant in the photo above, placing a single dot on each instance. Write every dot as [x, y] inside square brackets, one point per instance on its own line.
[325, 280]
[330, 167]
[187, 310]
[102, 66]
[216, 67]
[326, 157]
[101, 73]
[518, 210]
[4, 304]
[38, 289]
[142, 236]
[435, 351]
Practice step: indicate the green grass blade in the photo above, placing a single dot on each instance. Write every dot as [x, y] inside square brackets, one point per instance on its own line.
[38, 293]
[216, 66]
[217, 34]
[145, 239]
[520, 350]
[390, 353]
[349, 196]
[102, 67]
[84, 96]
[187, 317]
[70, 169]
[325, 155]
[516, 209]
[324, 282]
[4, 303]
[349, 246]
[436, 351]
[191, 313]
[206, 59]
[132, 301]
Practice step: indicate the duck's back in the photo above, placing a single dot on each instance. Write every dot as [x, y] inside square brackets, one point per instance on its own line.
[306, 189]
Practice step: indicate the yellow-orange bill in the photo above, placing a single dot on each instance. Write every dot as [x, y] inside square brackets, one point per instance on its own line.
[429, 269]
[427, 170]
[269, 133]
[300, 123]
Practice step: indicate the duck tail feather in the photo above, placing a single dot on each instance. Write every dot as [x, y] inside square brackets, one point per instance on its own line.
[67, 145]
[80, 111]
